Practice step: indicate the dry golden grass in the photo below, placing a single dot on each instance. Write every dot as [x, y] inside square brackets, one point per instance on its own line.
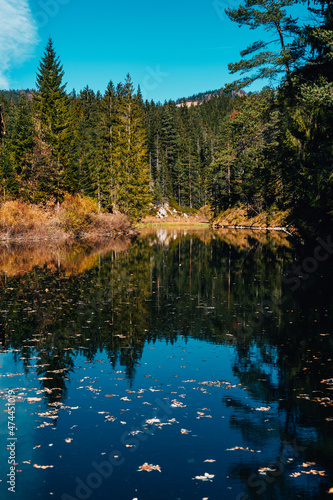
[17, 217]
[77, 217]
[240, 217]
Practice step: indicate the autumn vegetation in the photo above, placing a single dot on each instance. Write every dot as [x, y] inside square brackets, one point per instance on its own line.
[76, 217]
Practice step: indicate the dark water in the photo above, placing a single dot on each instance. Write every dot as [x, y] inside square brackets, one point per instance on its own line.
[187, 352]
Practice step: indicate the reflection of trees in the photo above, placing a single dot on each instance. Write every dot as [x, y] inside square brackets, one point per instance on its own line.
[72, 257]
[54, 316]
[103, 296]
[203, 286]
[197, 285]
[283, 363]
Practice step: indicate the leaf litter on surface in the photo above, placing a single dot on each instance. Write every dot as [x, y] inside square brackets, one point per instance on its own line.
[149, 467]
[205, 477]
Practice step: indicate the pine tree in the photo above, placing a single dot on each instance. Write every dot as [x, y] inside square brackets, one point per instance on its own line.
[8, 175]
[271, 15]
[23, 138]
[106, 144]
[169, 144]
[51, 104]
[130, 155]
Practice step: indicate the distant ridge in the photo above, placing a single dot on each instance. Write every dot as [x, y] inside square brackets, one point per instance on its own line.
[196, 99]
[15, 94]
[193, 100]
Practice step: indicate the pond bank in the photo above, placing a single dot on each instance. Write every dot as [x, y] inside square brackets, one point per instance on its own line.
[248, 218]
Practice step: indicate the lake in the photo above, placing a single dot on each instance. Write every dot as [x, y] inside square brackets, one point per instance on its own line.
[179, 365]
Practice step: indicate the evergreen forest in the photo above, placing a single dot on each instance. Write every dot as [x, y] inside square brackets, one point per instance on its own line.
[269, 150]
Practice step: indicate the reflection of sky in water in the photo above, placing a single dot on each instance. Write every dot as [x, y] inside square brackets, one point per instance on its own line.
[170, 332]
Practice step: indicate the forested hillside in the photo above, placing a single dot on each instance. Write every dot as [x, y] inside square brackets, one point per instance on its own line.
[270, 150]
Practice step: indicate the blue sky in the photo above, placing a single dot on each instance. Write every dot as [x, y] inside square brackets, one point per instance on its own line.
[172, 49]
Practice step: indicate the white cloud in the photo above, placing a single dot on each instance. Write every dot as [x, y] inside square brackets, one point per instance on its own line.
[18, 36]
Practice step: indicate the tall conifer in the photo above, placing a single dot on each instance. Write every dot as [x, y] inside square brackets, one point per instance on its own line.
[130, 160]
[51, 104]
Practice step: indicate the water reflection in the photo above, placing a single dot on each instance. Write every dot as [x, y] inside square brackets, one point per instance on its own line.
[58, 304]
[71, 258]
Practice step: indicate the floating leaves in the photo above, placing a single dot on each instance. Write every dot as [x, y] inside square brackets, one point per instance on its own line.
[202, 415]
[205, 477]
[43, 466]
[263, 471]
[243, 449]
[149, 467]
[313, 472]
[177, 404]
[110, 418]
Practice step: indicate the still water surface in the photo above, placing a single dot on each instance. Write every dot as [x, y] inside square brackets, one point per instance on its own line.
[177, 366]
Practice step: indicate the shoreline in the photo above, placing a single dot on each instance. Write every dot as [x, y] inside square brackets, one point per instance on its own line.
[78, 219]
[64, 237]
[255, 228]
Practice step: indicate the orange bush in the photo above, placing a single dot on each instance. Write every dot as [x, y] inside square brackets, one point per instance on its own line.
[18, 217]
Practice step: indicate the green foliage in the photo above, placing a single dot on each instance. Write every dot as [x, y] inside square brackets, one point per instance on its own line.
[270, 15]
[130, 169]
[51, 104]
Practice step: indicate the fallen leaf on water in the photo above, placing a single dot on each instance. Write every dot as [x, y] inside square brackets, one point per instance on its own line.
[330, 490]
[205, 477]
[110, 418]
[33, 400]
[149, 467]
[209, 460]
[69, 440]
[43, 466]
[243, 449]
[263, 471]
[152, 421]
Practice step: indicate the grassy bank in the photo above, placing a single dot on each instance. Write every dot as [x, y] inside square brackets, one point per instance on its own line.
[242, 217]
[77, 217]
